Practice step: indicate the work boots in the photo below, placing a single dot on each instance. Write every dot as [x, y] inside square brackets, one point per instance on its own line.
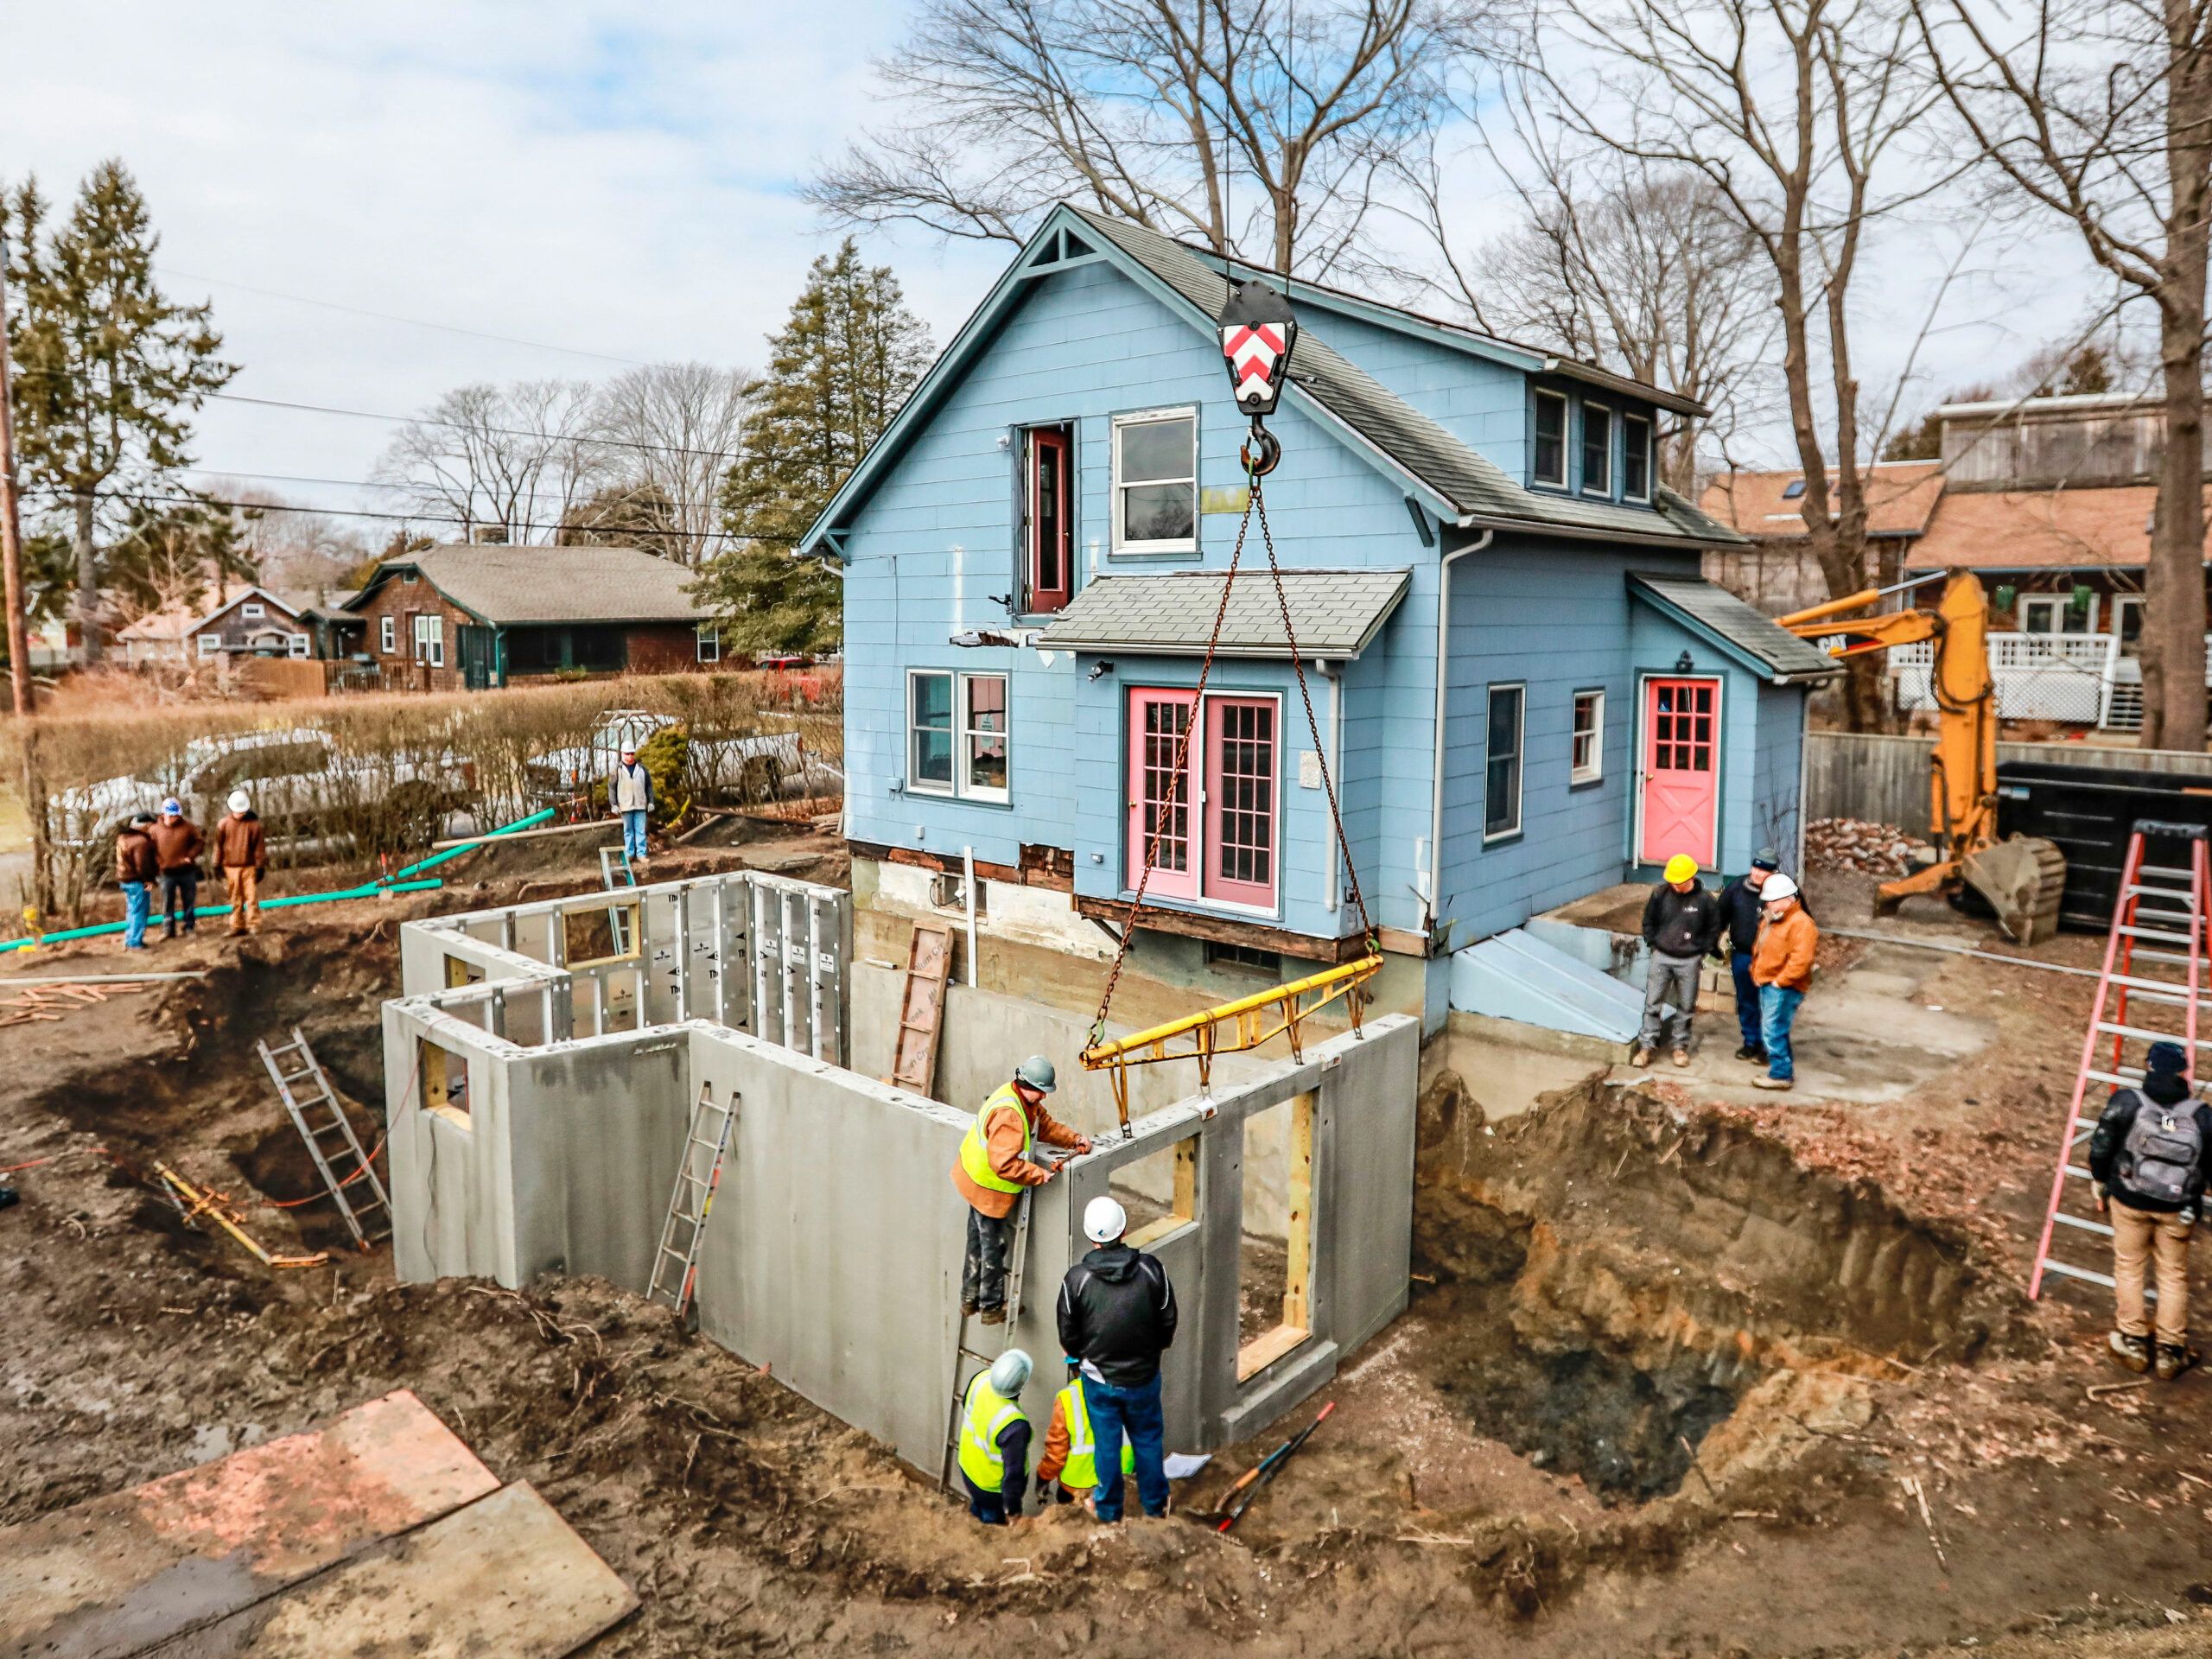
[2173, 1360]
[2134, 1353]
[994, 1315]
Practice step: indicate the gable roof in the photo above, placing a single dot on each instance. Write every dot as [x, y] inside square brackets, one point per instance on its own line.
[267, 597]
[2108, 527]
[1714, 614]
[1336, 613]
[511, 585]
[1455, 483]
[1901, 498]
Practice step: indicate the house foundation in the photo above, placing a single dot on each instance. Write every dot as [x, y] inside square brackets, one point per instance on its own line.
[543, 1061]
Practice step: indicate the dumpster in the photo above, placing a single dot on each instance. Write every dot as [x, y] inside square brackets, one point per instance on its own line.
[2088, 812]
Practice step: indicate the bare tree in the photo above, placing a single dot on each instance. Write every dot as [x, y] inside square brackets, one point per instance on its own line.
[293, 548]
[2100, 111]
[514, 459]
[669, 433]
[1793, 111]
[1256, 127]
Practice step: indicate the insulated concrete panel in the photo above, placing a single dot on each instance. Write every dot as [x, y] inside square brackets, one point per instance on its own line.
[1364, 1179]
[452, 1211]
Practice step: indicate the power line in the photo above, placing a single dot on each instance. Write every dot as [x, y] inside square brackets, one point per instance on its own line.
[371, 484]
[387, 316]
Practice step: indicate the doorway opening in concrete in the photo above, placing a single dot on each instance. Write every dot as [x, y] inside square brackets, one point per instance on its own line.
[1275, 1256]
[445, 1081]
[1159, 1191]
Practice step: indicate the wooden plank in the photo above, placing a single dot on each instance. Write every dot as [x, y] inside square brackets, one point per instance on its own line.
[1297, 1276]
[505, 1575]
[1263, 1351]
[113, 1576]
[1328, 952]
[921, 1007]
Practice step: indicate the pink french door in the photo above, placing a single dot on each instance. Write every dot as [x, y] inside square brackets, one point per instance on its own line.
[1221, 838]
[1681, 770]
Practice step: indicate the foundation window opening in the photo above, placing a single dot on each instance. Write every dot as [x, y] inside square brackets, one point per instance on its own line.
[1160, 1192]
[599, 933]
[445, 1083]
[1275, 1252]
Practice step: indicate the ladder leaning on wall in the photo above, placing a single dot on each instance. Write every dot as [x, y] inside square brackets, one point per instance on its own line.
[964, 1355]
[691, 1201]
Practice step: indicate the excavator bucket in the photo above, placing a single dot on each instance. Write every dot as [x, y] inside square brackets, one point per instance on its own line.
[2023, 879]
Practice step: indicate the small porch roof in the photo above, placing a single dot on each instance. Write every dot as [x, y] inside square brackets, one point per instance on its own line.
[1335, 613]
[1714, 614]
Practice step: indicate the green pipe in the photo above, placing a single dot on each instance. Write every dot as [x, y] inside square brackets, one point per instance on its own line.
[366, 890]
[505, 829]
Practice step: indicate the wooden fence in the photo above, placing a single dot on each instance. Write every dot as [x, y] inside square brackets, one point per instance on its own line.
[1853, 775]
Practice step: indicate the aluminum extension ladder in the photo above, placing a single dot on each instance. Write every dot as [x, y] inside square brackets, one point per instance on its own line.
[962, 1354]
[615, 873]
[2157, 957]
[675, 1263]
[322, 1124]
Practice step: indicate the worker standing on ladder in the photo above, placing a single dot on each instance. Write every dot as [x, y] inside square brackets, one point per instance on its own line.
[2151, 1157]
[993, 1169]
[994, 1441]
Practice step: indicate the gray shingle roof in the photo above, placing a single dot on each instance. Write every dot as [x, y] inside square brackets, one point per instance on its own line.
[1335, 613]
[508, 586]
[1476, 487]
[1708, 608]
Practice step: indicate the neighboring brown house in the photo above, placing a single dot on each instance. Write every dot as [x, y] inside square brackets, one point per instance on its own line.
[1777, 572]
[254, 622]
[470, 618]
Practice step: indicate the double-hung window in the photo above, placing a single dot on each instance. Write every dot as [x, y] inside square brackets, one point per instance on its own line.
[1635, 457]
[1047, 508]
[709, 644]
[1156, 482]
[430, 639]
[1210, 826]
[1550, 461]
[1501, 763]
[387, 634]
[296, 644]
[956, 734]
[1587, 760]
[1597, 449]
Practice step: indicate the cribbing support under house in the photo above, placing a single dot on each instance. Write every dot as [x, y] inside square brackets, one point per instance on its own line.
[1249, 1021]
[2135, 967]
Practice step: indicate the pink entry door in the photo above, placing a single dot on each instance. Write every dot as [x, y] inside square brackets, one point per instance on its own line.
[1163, 803]
[1681, 770]
[1239, 820]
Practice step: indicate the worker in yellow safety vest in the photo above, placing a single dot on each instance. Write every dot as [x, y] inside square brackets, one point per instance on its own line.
[1071, 1451]
[994, 1439]
[992, 1169]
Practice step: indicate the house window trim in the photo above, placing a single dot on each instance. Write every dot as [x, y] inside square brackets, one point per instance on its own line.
[961, 730]
[1630, 421]
[1192, 794]
[1066, 433]
[1603, 490]
[298, 645]
[1536, 479]
[1174, 546]
[388, 635]
[707, 642]
[252, 610]
[209, 643]
[429, 638]
[2062, 602]
[1584, 776]
[1492, 837]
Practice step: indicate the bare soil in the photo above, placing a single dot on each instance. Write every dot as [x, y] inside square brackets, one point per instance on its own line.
[1683, 1376]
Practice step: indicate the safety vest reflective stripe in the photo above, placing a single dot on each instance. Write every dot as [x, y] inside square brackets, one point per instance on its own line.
[974, 1147]
[988, 1414]
[1081, 1469]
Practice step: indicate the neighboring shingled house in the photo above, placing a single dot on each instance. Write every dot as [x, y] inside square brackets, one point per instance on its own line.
[1774, 567]
[1524, 689]
[453, 618]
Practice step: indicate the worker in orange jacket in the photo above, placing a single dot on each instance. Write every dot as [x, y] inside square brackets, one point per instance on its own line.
[1781, 967]
[993, 1168]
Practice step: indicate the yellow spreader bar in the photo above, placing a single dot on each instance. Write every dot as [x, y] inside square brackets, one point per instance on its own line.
[1230, 1027]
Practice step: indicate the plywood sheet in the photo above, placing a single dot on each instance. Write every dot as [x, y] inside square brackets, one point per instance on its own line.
[114, 1575]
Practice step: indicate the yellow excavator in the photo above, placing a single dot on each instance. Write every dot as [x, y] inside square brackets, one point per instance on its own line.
[2023, 877]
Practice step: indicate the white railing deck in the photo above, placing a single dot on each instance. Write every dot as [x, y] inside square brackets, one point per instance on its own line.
[2075, 678]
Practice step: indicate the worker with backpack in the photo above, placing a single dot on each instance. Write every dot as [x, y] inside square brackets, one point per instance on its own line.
[2150, 1156]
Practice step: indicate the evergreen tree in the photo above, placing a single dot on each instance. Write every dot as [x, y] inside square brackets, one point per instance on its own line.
[107, 366]
[838, 371]
[174, 555]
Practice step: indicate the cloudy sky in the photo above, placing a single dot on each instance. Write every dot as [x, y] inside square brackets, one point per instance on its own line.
[618, 183]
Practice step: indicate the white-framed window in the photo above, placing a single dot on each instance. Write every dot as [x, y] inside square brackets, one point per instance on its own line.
[1156, 481]
[2127, 623]
[1597, 449]
[387, 629]
[1549, 463]
[956, 734]
[710, 643]
[429, 639]
[1635, 457]
[2056, 613]
[210, 644]
[254, 610]
[1501, 762]
[296, 644]
[1587, 758]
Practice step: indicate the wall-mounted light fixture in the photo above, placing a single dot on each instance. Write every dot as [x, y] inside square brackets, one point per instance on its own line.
[1099, 670]
[1683, 665]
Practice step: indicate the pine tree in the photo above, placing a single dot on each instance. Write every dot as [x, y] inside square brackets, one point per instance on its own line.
[107, 366]
[838, 371]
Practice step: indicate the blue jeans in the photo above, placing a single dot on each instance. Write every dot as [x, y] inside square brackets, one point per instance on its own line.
[1137, 1411]
[989, 1508]
[1778, 1009]
[633, 835]
[1748, 1018]
[137, 905]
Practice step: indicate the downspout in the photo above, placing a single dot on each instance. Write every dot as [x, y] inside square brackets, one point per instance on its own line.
[1433, 878]
[1334, 673]
[967, 896]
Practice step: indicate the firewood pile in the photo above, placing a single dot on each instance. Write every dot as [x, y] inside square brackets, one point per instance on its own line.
[1866, 847]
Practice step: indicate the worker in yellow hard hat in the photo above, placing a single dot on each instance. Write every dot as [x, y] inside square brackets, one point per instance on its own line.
[1681, 921]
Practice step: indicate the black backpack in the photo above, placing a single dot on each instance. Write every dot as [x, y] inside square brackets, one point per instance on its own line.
[2164, 1150]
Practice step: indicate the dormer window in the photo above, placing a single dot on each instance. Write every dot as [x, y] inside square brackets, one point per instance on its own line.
[1794, 490]
[1549, 466]
[1635, 457]
[1597, 449]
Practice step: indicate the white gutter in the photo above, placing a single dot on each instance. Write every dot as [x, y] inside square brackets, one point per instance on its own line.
[1432, 877]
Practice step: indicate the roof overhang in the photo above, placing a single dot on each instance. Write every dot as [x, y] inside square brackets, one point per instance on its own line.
[1336, 614]
[1648, 590]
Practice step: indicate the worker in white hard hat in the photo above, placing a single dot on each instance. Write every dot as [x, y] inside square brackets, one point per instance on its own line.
[993, 1168]
[242, 855]
[994, 1439]
[1116, 1317]
[1781, 965]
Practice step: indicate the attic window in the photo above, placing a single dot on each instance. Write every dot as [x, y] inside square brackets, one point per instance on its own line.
[252, 611]
[1550, 461]
[1794, 490]
[1156, 482]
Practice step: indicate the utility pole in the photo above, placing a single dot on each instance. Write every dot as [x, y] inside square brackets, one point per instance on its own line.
[12, 526]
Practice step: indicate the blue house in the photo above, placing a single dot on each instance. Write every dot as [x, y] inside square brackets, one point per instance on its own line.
[1522, 690]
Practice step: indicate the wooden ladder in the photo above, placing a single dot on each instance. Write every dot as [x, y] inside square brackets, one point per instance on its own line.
[965, 1356]
[921, 1008]
[675, 1264]
[322, 1124]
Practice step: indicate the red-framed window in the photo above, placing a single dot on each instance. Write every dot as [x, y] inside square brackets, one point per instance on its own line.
[1221, 839]
[1048, 485]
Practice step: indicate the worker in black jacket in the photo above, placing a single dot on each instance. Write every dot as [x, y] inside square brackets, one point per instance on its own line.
[2151, 1157]
[1681, 921]
[1739, 936]
[1116, 1317]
